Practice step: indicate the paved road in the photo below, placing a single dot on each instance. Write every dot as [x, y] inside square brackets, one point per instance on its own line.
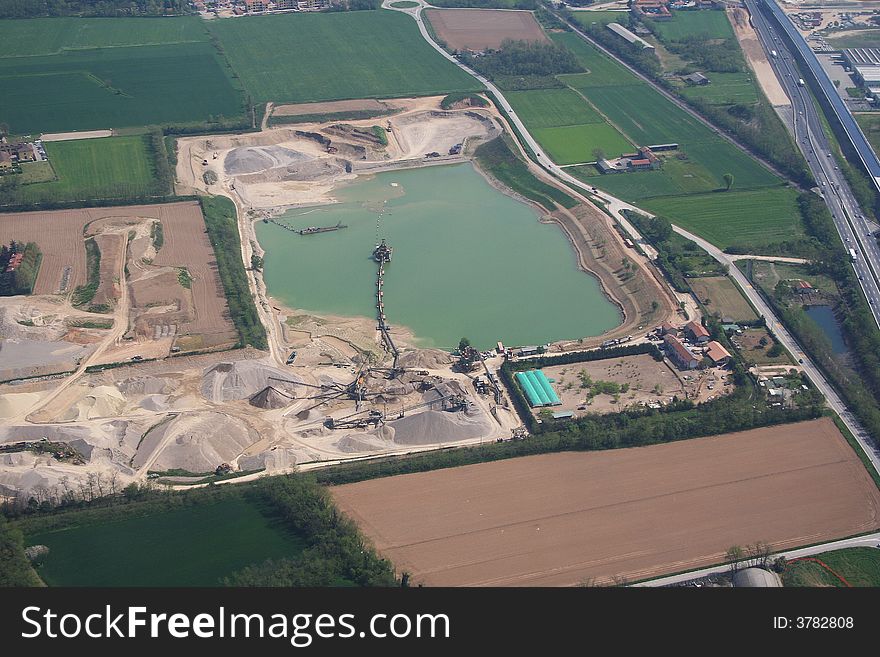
[870, 540]
[781, 333]
[811, 139]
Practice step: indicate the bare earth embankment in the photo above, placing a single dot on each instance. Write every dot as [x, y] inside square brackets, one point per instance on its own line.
[563, 519]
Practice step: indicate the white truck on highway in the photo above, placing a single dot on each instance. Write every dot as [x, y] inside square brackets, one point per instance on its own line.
[801, 82]
[852, 255]
[773, 53]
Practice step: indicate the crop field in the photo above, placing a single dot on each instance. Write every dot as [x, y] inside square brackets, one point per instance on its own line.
[587, 18]
[602, 71]
[551, 108]
[746, 218]
[722, 298]
[712, 23]
[482, 29]
[51, 36]
[105, 168]
[725, 89]
[191, 546]
[575, 143]
[568, 518]
[858, 566]
[116, 87]
[335, 56]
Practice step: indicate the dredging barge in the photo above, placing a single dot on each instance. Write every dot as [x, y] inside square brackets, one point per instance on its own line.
[312, 230]
[382, 253]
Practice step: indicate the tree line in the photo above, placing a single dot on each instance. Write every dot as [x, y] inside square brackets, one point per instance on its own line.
[37, 8]
[21, 280]
[220, 220]
[516, 58]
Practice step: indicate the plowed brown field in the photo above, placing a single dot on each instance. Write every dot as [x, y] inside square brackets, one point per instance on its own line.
[481, 29]
[562, 519]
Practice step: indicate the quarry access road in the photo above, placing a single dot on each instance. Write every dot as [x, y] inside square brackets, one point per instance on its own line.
[869, 540]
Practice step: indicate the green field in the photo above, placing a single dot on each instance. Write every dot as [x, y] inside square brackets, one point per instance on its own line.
[858, 566]
[191, 546]
[870, 125]
[677, 177]
[688, 23]
[333, 56]
[573, 144]
[107, 168]
[587, 18]
[744, 218]
[83, 74]
[551, 108]
[861, 39]
[601, 70]
[51, 36]
[725, 89]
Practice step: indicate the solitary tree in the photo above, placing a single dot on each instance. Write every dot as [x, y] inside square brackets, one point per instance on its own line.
[598, 154]
[728, 181]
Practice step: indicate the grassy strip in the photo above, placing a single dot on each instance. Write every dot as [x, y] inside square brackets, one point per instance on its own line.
[381, 134]
[857, 448]
[220, 220]
[498, 159]
[353, 115]
[83, 294]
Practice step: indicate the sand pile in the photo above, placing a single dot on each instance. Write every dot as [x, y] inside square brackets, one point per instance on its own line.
[270, 398]
[425, 359]
[199, 442]
[274, 459]
[362, 442]
[154, 403]
[147, 385]
[244, 378]
[260, 158]
[16, 403]
[431, 427]
[101, 401]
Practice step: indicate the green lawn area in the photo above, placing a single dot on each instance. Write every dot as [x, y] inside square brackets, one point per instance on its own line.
[870, 124]
[50, 36]
[725, 89]
[861, 39]
[575, 143]
[107, 168]
[686, 23]
[743, 218]
[192, 546]
[550, 108]
[587, 18]
[332, 56]
[117, 87]
[677, 177]
[601, 70]
[859, 566]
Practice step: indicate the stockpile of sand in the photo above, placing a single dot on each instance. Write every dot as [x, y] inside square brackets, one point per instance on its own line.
[425, 359]
[98, 402]
[432, 427]
[16, 403]
[199, 442]
[260, 158]
[148, 385]
[244, 378]
[270, 398]
[275, 459]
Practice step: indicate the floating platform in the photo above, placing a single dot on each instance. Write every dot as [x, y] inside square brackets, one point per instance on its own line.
[312, 230]
[383, 252]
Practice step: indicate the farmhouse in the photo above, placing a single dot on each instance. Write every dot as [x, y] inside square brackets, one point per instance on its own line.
[21, 151]
[666, 328]
[5, 161]
[657, 10]
[642, 160]
[679, 354]
[697, 332]
[803, 287]
[716, 352]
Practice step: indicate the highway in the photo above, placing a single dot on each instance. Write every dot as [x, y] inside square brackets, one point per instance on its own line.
[817, 150]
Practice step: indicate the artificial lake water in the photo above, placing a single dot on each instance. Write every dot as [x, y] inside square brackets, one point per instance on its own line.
[468, 261]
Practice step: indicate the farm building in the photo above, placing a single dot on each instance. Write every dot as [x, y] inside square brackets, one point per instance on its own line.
[537, 388]
[641, 160]
[696, 78]
[5, 161]
[634, 39]
[679, 354]
[697, 332]
[716, 352]
[756, 578]
[802, 287]
[657, 10]
[666, 328]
